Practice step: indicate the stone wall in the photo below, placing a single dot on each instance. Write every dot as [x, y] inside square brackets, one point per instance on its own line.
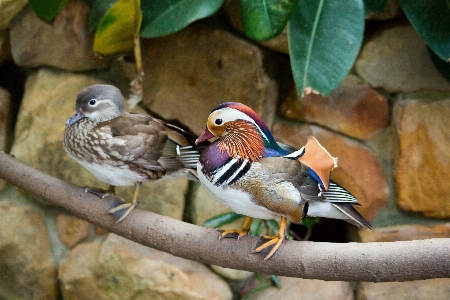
[387, 122]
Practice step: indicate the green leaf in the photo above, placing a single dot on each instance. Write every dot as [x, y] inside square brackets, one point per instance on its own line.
[309, 222]
[265, 19]
[256, 227]
[273, 225]
[47, 9]
[118, 28]
[275, 280]
[442, 66]
[222, 219]
[165, 17]
[431, 19]
[324, 41]
[374, 6]
[98, 10]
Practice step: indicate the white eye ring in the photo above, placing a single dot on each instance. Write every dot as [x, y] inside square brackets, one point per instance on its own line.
[92, 102]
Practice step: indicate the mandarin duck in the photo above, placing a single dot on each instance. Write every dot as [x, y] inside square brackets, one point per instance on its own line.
[125, 149]
[253, 175]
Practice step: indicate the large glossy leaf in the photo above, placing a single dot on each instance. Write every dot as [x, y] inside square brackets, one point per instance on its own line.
[47, 9]
[118, 27]
[374, 6]
[324, 40]
[98, 10]
[222, 219]
[431, 19]
[265, 19]
[163, 17]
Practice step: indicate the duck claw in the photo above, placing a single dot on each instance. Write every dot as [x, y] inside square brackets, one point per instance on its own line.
[120, 209]
[102, 193]
[235, 234]
[267, 246]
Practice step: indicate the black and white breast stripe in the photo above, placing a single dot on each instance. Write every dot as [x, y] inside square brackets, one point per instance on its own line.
[337, 193]
[230, 172]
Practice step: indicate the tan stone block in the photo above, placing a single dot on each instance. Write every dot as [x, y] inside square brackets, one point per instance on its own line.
[71, 230]
[65, 43]
[397, 60]
[430, 289]
[118, 268]
[358, 169]
[423, 160]
[298, 289]
[26, 260]
[8, 10]
[190, 72]
[353, 108]
[404, 233]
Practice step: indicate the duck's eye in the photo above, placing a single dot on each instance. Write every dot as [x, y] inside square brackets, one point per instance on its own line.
[92, 102]
[218, 121]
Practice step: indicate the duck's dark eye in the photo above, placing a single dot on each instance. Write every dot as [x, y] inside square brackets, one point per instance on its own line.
[218, 121]
[92, 102]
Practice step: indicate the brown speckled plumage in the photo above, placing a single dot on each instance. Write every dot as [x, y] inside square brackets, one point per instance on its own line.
[123, 148]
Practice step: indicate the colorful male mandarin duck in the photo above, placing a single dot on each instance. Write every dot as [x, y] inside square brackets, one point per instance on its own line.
[253, 175]
[125, 149]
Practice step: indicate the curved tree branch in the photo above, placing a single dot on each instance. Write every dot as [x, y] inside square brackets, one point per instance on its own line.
[378, 262]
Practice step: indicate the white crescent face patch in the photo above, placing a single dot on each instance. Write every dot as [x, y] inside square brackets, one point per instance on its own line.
[229, 114]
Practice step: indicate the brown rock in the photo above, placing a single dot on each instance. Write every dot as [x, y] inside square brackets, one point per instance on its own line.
[298, 289]
[397, 60]
[404, 233]
[26, 261]
[65, 43]
[359, 171]
[71, 230]
[190, 72]
[419, 289]
[121, 269]
[423, 159]
[8, 10]
[100, 231]
[353, 108]
[233, 14]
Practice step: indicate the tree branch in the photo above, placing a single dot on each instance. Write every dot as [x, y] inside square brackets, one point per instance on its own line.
[378, 262]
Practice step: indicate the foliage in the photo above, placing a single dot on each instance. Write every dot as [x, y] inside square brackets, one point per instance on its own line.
[47, 9]
[117, 27]
[324, 36]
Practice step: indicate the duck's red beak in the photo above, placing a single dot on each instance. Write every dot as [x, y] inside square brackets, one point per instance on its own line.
[206, 135]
